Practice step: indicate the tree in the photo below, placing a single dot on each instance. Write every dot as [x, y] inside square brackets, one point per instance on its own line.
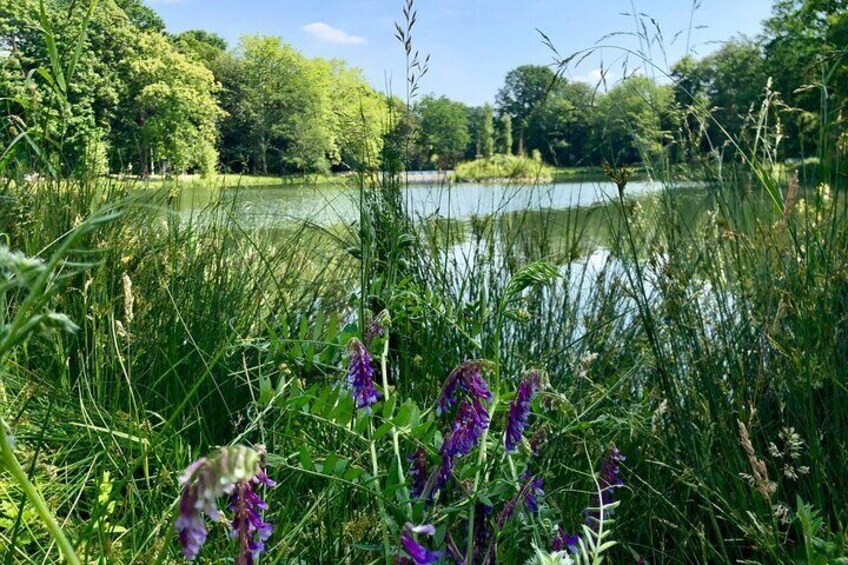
[525, 89]
[278, 104]
[171, 110]
[205, 46]
[475, 116]
[443, 133]
[734, 80]
[629, 123]
[140, 16]
[488, 132]
[69, 116]
[804, 46]
[506, 134]
[359, 119]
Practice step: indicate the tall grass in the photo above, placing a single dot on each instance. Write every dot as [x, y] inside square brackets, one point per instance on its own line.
[701, 330]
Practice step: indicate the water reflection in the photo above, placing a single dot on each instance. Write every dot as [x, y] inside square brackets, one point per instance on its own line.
[326, 206]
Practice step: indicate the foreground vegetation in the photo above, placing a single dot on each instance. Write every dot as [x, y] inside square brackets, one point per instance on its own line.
[657, 380]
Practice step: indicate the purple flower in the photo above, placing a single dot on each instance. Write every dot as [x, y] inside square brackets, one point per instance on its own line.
[465, 378]
[247, 525]
[519, 411]
[190, 526]
[445, 471]
[471, 421]
[482, 531]
[563, 541]
[420, 555]
[533, 490]
[418, 472]
[608, 481]
[375, 330]
[233, 471]
[360, 376]
[507, 511]
[610, 470]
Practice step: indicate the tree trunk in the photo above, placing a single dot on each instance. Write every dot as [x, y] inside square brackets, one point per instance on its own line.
[521, 142]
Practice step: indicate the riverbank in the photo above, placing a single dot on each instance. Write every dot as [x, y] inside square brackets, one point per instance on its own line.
[237, 181]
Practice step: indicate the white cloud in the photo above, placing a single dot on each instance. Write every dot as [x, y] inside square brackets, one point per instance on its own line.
[596, 77]
[328, 33]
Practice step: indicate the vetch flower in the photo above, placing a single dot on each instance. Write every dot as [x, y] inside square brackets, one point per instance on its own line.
[533, 491]
[360, 376]
[467, 387]
[519, 411]
[465, 378]
[190, 526]
[231, 471]
[564, 541]
[608, 480]
[471, 421]
[420, 555]
[247, 525]
[417, 472]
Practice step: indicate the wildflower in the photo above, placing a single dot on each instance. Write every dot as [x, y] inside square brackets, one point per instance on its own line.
[609, 478]
[472, 419]
[375, 329]
[247, 525]
[472, 416]
[445, 471]
[563, 541]
[232, 471]
[608, 481]
[360, 376]
[533, 490]
[420, 555]
[482, 532]
[418, 472]
[519, 411]
[465, 378]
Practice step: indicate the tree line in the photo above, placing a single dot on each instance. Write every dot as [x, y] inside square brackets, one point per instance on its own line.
[144, 101]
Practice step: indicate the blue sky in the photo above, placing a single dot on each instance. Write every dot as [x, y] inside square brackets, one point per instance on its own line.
[473, 43]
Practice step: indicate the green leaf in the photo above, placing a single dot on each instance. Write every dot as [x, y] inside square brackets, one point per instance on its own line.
[382, 430]
[305, 459]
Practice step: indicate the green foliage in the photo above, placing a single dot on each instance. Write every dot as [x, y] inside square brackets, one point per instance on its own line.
[504, 167]
[631, 120]
[443, 130]
[506, 134]
[487, 133]
[171, 108]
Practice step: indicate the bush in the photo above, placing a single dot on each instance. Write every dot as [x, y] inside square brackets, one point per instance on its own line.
[504, 167]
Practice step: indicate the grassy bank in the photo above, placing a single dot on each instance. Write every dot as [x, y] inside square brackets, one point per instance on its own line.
[237, 181]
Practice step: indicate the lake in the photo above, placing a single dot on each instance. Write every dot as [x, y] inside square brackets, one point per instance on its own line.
[328, 205]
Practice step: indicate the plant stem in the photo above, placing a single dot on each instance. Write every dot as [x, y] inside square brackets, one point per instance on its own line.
[384, 365]
[375, 469]
[481, 460]
[7, 456]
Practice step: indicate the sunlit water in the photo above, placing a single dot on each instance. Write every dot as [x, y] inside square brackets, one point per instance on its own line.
[329, 205]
